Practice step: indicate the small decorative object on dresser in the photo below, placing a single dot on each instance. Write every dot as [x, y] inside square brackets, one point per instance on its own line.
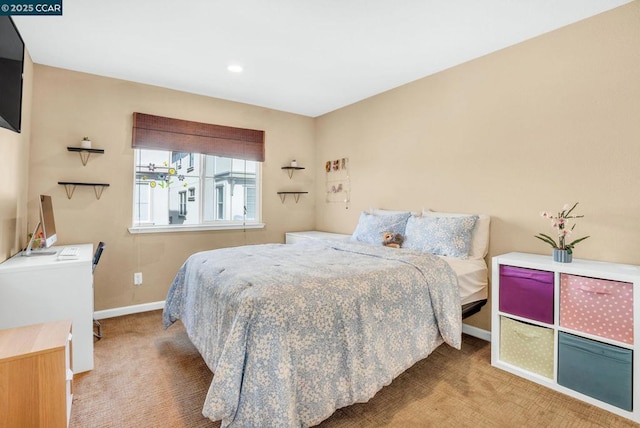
[562, 251]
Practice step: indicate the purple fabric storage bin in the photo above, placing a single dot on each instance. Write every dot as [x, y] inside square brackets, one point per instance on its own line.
[527, 293]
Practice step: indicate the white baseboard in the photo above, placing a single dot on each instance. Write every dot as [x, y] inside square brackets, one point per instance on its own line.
[476, 332]
[128, 310]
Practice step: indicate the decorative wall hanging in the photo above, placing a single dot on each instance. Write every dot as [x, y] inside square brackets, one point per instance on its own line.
[338, 181]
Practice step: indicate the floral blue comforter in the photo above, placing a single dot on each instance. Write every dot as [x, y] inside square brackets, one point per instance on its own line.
[294, 332]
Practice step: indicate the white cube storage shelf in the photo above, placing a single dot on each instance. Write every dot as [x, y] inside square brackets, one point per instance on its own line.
[582, 341]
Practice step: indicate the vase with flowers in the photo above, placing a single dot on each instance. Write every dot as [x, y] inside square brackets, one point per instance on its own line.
[563, 248]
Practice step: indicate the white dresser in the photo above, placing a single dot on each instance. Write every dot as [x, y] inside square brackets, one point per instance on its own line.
[293, 237]
[41, 288]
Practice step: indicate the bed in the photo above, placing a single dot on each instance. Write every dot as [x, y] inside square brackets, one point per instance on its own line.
[294, 332]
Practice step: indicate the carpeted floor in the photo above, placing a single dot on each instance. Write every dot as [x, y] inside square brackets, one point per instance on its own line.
[145, 376]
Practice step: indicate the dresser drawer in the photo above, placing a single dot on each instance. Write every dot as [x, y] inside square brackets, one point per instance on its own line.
[596, 369]
[597, 306]
[527, 346]
[527, 293]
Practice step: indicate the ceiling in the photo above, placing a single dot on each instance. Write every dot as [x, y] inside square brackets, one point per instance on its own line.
[299, 56]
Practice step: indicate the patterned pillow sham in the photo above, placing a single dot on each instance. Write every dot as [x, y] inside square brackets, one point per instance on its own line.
[371, 227]
[443, 236]
[479, 236]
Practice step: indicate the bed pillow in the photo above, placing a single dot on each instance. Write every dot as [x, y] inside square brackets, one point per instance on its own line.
[371, 227]
[443, 236]
[479, 237]
[380, 211]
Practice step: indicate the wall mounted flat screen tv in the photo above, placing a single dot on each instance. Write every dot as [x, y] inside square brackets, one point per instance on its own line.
[11, 67]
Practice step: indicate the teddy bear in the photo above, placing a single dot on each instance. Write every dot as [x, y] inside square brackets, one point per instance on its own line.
[392, 240]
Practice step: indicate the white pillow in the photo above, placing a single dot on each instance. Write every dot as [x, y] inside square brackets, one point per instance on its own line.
[480, 234]
[379, 211]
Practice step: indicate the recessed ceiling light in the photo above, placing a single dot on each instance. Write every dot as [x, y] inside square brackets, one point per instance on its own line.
[234, 68]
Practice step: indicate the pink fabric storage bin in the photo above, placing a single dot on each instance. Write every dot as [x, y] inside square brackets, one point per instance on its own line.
[597, 306]
[527, 293]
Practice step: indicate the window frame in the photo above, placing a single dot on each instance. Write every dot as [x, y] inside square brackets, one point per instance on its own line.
[147, 188]
[182, 203]
[202, 225]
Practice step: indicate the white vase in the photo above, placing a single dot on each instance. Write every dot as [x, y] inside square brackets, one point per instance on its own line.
[85, 144]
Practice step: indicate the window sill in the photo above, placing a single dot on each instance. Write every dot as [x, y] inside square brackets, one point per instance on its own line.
[194, 228]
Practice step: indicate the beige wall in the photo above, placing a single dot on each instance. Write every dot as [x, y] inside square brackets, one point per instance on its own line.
[14, 174]
[68, 105]
[526, 129]
[550, 121]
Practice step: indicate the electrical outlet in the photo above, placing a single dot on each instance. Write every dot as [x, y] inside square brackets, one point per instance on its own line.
[137, 278]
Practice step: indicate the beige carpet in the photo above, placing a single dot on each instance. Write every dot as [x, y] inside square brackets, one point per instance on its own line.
[145, 376]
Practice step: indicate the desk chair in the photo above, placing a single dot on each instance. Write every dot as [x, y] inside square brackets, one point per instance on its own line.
[96, 259]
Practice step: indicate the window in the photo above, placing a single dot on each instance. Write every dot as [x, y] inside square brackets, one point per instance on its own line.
[191, 162]
[219, 202]
[251, 203]
[182, 207]
[217, 191]
[141, 210]
[195, 175]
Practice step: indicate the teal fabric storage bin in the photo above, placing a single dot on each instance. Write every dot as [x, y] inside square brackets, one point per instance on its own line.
[596, 369]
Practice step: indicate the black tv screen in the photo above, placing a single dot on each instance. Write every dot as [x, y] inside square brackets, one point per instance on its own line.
[11, 66]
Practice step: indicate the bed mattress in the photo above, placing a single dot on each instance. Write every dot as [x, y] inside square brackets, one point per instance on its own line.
[472, 278]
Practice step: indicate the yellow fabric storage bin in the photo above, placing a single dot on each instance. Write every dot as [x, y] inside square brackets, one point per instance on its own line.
[527, 346]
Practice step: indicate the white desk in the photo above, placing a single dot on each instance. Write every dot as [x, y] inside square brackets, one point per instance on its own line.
[42, 288]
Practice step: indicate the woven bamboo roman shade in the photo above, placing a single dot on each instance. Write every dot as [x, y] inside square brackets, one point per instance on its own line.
[164, 133]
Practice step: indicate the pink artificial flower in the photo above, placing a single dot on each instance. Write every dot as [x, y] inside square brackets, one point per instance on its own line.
[564, 229]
